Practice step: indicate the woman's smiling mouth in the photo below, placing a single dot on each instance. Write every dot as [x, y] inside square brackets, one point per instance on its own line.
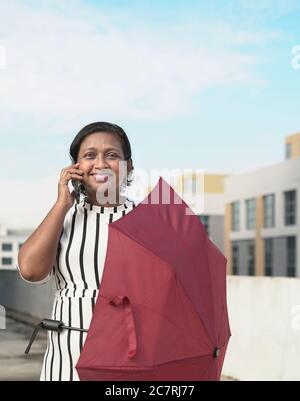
[100, 177]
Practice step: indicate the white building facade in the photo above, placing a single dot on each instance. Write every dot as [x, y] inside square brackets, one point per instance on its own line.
[262, 230]
[10, 243]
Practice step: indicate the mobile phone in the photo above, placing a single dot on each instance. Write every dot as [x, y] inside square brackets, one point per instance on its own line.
[76, 187]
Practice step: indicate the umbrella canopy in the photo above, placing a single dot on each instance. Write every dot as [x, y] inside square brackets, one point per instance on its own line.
[161, 312]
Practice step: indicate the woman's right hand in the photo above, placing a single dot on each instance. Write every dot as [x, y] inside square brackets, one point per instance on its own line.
[65, 197]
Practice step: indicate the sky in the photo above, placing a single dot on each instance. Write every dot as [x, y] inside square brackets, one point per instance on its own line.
[195, 84]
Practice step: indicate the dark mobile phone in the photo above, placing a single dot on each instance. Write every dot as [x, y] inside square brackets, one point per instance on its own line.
[76, 187]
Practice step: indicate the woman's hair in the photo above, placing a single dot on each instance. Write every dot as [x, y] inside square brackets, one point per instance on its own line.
[101, 127]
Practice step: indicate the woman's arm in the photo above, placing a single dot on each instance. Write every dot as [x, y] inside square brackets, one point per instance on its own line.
[37, 255]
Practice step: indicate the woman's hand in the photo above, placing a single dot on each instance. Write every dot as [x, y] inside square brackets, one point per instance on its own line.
[65, 197]
[38, 253]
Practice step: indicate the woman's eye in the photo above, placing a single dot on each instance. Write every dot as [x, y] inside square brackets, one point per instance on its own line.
[89, 155]
[112, 155]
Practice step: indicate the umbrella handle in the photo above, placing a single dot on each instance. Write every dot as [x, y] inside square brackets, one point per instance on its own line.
[51, 325]
[130, 324]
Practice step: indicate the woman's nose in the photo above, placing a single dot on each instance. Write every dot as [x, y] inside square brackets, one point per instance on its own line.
[101, 162]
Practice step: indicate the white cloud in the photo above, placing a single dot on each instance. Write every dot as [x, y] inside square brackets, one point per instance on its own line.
[63, 66]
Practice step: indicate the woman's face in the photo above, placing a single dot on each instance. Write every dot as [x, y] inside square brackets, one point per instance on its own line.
[101, 153]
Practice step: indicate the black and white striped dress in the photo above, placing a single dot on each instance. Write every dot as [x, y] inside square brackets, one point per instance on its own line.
[77, 271]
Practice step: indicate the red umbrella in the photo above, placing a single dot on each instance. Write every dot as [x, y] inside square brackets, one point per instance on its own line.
[161, 313]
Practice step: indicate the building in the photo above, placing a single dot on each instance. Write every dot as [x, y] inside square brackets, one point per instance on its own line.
[292, 146]
[21, 300]
[262, 208]
[10, 243]
[212, 204]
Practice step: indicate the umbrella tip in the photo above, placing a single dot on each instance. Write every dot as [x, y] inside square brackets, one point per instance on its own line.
[216, 352]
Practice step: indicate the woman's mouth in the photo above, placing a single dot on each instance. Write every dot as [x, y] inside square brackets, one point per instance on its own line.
[101, 177]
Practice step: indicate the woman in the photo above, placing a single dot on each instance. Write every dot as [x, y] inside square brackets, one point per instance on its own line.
[70, 243]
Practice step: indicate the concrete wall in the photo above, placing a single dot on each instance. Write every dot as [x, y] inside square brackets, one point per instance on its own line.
[264, 316]
[32, 300]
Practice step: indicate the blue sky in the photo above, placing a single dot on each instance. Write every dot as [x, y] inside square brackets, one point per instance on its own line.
[195, 84]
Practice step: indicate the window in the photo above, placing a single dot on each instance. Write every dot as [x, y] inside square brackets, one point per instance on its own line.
[235, 213]
[6, 261]
[269, 211]
[235, 259]
[290, 207]
[288, 151]
[251, 258]
[6, 247]
[205, 222]
[251, 214]
[291, 256]
[269, 257]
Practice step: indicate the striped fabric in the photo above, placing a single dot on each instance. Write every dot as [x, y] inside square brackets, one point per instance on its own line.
[77, 271]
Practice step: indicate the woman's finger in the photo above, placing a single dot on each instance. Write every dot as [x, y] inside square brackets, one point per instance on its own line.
[76, 171]
[69, 167]
[77, 176]
[70, 176]
[67, 173]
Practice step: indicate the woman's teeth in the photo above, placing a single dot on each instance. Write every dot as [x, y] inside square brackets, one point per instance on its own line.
[101, 178]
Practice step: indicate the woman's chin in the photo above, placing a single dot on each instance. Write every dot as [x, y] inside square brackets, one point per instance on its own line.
[99, 188]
